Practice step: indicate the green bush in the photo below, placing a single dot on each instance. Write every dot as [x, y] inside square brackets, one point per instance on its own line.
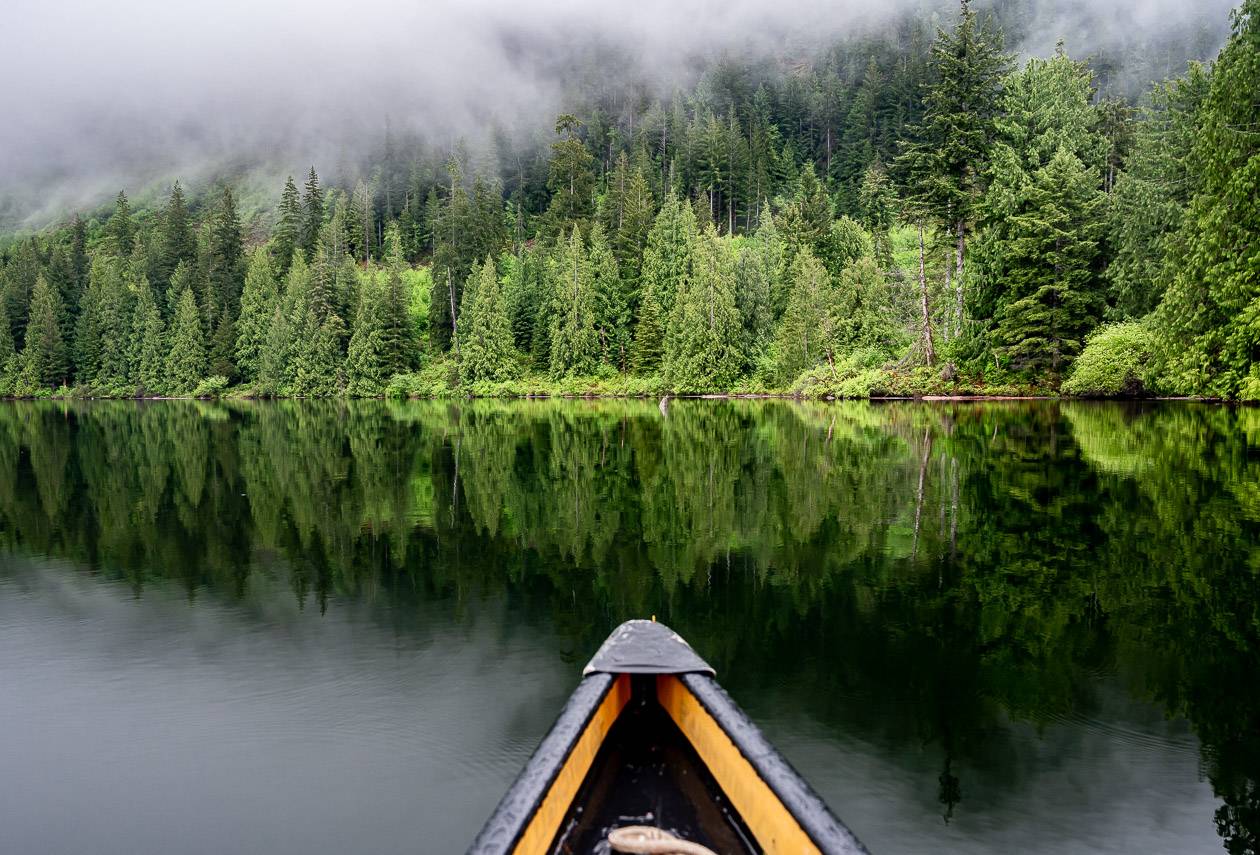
[211, 387]
[1113, 363]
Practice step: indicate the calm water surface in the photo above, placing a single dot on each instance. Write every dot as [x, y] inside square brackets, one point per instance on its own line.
[322, 628]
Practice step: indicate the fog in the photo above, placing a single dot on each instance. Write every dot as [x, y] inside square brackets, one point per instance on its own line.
[99, 95]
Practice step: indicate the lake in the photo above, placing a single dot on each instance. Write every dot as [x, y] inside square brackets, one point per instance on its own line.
[316, 627]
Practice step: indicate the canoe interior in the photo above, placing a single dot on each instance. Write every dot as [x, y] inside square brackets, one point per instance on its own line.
[648, 773]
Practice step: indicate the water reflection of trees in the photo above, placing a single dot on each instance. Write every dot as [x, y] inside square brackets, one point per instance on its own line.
[913, 572]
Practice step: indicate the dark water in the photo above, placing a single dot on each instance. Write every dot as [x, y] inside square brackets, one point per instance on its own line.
[309, 628]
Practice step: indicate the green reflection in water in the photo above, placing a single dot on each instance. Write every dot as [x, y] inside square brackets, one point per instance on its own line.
[914, 574]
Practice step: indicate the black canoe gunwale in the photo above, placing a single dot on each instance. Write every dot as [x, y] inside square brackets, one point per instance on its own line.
[647, 648]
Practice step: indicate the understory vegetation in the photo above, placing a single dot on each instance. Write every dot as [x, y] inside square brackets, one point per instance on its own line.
[911, 214]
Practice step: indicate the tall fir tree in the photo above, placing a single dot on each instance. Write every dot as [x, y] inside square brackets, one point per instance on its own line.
[487, 350]
[289, 232]
[1052, 298]
[574, 337]
[805, 336]
[1209, 322]
[609, 298]
[147, 346]
[176, 243]
[702, 339]
[258, 303]
[44, 362]
[571, 179]
[120, 230]
[186, 350]
[367, 371]
[312, 214]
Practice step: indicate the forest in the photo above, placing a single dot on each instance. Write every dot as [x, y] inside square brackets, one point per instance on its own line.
[914, 212]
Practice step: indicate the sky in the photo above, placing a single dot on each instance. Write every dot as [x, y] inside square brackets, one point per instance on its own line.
[93, 94]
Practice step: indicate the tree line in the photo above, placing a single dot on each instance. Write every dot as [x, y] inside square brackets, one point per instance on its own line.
[908, 213]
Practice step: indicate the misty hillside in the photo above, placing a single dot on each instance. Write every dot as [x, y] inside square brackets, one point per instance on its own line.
[1015, 197]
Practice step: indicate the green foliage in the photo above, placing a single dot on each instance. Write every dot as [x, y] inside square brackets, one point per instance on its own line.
[1052, 298]
[1209, 321]
[487, 350]
[212, 387]
[44, 360]
[574, 337]
[258, 303]
[186, 353]
[702, 338]
[1113, 363]
[1147, 206]
[147, 349]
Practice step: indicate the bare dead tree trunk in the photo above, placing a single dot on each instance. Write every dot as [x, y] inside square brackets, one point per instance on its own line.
[929, 349]
[959, 252]
[450, 288]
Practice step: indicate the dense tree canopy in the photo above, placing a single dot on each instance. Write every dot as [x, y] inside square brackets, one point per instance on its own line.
[912, 209]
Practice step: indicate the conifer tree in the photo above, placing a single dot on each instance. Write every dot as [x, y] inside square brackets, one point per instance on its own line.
[649, 335]
[574, 338]
[176, 243]
[290, 227]
[702, 339]
[1052, 296]
[667, 257]
[273, 358]
[367, 371]
[225, 261]
[950, 149]
[759, 278]
[570, 178]
[8, 355]
[1209, 322]
[120, 230]
[876, 211]
[312, 214]
[186, 350]
[147, 351]
[805, 335]
[44, 363]
[398, 337]
[258, 303]
[611, 321]
[487, 350]
[630, 237]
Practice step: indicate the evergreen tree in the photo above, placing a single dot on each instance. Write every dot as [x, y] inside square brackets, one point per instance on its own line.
[630, 237]
[844, 243]
[805, 336]
[649, 335]
[366, 368]
[667, 257]
[225, 259]
[312, 214]
[487, 350]
[611, 313]
[186, 350]
[1151, 195]
[8, 355]
[147, 348]
[120, 230]
[289, 233]
[702, 351]
[399, 338]
[44, 363]
[759, 279]
[1052, 295]
[258, 303]
[570, 179]
[273, 358]
[876, 211]
[574, 337]
[947, 155]
[176, 243]
[1209, 322]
